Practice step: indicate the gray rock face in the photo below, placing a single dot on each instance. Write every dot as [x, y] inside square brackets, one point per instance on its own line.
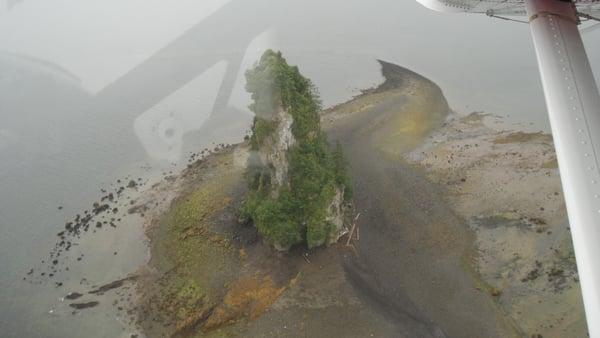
[274, 150]
[335, 216]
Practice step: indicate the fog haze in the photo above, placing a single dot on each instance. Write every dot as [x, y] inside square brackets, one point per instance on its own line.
[92, 90]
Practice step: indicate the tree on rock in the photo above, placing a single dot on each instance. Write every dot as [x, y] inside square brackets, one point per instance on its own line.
[298, 187]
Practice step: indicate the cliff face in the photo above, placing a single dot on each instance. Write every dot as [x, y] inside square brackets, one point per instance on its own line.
[273, 159]
[274, 149]
[297, 184]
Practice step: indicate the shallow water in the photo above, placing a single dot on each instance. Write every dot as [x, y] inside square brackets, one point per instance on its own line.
[92, 92]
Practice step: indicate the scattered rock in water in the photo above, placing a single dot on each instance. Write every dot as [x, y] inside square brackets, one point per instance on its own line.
[112, 285]
[80, 306]
[73, 295]
[95, 217]
[100, 208]
[137, 209]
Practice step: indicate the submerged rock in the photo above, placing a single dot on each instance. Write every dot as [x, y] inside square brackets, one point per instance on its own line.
[81, 306]
[73, 295]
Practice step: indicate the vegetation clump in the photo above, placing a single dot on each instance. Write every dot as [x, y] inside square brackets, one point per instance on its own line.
[297, 210]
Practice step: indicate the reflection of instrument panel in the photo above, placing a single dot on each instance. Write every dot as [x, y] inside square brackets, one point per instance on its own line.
[161, 129]
[214, 100]
[170, 131]
[574, 109]
[187, 62]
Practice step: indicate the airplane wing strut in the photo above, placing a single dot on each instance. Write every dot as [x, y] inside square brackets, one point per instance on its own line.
[574, 110]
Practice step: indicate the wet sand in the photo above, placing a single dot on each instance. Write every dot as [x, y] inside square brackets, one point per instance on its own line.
[413, 247]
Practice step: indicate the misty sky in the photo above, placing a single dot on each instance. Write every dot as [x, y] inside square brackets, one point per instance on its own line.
[481, 63]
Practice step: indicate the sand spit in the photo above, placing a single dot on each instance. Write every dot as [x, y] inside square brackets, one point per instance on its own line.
[462, 233]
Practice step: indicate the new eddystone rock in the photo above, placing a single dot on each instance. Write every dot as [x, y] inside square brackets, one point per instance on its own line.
[298, 186]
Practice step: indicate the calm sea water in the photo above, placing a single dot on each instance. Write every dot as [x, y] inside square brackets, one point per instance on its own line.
[94, 92]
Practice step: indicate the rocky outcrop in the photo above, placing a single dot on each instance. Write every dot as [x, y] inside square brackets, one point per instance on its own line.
[296, 181]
